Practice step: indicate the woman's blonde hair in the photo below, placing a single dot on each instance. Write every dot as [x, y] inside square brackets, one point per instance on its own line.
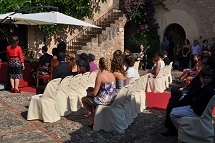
[70, 58]
[104, 64]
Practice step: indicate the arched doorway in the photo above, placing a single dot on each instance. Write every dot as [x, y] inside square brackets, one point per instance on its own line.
[176, 36]
[129, 29]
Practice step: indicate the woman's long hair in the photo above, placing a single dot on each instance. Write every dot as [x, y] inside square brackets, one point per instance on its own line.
[129, 60]
[104, 64]
[14, 41]
[70, 58]
[117, 65]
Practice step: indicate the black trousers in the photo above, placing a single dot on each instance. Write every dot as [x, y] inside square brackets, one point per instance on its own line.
[173, 103]
[143, 60]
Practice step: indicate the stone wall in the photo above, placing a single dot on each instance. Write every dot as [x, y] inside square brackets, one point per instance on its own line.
[35, 36]
[197, 17]
[105, 44]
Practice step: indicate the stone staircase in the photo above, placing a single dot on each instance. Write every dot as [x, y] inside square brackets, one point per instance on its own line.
[89, 36]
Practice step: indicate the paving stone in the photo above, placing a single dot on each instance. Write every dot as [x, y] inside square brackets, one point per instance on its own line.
[1, 107]
[10, 121]
[32, 136]
[17, 99]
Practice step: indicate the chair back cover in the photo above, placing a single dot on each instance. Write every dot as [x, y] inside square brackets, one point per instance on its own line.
[92, 79]
[73, 93]
[51, 89]
[120, 98]
[62, 101]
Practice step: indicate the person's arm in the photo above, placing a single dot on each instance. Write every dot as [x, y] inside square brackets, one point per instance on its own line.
[188, 52]
[158, 65]
[96, 88]
[21, 57]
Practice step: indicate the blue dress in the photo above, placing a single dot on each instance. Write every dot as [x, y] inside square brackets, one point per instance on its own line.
[106, 95]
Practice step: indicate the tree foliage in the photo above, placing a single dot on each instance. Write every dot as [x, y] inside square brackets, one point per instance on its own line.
[142, 13]
[75, 8]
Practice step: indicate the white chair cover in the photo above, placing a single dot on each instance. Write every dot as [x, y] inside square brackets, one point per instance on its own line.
[165, 77]
[43, 107]
[92, 79]
[132, 102]
[142, 87]
[198, 130]
[62, 99]
[73, 93]
[136, 65]
[83, 86]
[156, 84]
[112, 118]
[127, 105]
[169, 73]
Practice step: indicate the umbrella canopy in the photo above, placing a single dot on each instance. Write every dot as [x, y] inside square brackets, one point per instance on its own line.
[45, 18]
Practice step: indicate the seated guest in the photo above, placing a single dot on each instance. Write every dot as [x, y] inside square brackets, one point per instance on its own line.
[131, 72]
[159, 65]
[83, 64]
[198, 102]
[202, 64]
[126, 53]
[44, 61]
[71, 60]
[93, 66]
[54, 61]
[117, 53]
[117, 69]
[191, 72]
[177, 93]
[60, 71]
[165, 58]
[104, 91]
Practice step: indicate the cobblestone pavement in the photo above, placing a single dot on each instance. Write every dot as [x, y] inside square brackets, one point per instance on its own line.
[14, 128]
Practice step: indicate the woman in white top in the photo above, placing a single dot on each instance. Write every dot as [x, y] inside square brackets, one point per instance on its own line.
[131, 72]
[159, 65]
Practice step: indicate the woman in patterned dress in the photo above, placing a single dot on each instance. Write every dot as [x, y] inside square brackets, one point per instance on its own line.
[104, 91]
[15, 63]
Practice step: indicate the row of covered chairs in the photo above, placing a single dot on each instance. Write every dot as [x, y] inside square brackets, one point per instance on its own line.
[60, 98]
[162, 80]
[130, 101]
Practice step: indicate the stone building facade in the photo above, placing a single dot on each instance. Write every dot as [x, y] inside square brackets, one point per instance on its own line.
[191, 19]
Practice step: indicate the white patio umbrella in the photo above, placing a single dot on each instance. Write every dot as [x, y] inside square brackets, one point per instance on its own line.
[45, 18]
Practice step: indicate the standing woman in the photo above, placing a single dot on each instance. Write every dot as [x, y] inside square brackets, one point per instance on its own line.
[186, 53]
[16, 64]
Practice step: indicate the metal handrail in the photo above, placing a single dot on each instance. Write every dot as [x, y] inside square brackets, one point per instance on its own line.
[98, 22]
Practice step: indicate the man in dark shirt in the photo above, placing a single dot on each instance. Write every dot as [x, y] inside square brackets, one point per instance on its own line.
[165, 58]
[198, 101]
[61, 47]
[60, 71]
[63, 69]
[45, 59]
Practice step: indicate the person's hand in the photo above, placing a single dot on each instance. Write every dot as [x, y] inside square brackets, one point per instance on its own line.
[23, 66]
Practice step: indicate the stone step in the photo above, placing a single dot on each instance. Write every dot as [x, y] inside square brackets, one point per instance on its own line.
[104, 32]
[121, 18]
[112, 25]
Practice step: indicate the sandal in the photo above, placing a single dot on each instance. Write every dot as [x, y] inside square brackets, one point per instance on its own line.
[17, 90]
